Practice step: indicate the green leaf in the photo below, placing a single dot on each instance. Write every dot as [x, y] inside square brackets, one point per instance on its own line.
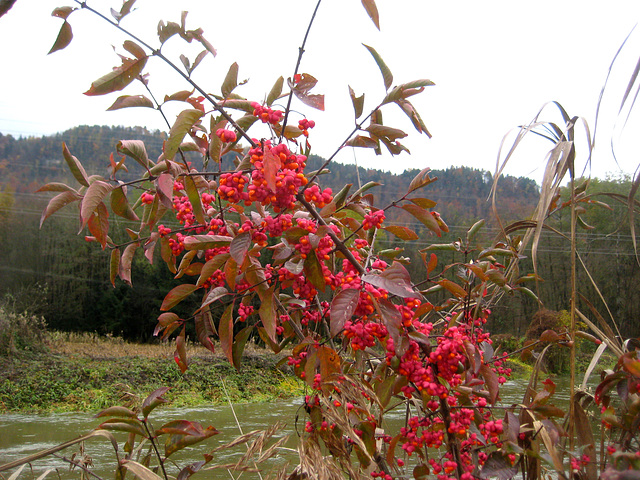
[185, 121]
[194, 198]
[230, 81]
[93, 198]
[120, 204]
[134, 149]
[127, 101]
[423, 202]
[313, 271]
[65, 35]
[387, 76]
[372, 11]
[342, 307]
[56, 203]
[119, 78]
[471, 233]
[275, 92]
[75, 166]
[176, 295]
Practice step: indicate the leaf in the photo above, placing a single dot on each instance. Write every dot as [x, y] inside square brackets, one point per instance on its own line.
[313, 271]
[194, 197]
[92, 199]
[180, 354]
[267, 312]
[425, 217]
[387, 76]
[62, 12]
[185, 121]
[114, 262]
[271, 166]
[75, 166]
[231, 80]
[360, 141]
[239, 342]
[239, 247]
[129, 425]
[395, 279]
[183, 433]
[225, 332]
[56, 203]
[550, 336]
[56, 187]
[211, 266]
[128, 101]
[342, 307]
[372, 11]
[135, 49]
[402, 233]
[65, 35]
[358, 103]
[423, 202]
[491, 381]
[176, 295]
[275, 92]
[422, 179]
[120, 205]
[498, 464]
[117, 411]
[205, 242]
[140, 471]
[124, 270]
[98, 224]
[165, 32]
[214, 295]
[329, 365]
[205, 329]
[119, 78]
[384, 132]
[302, 88]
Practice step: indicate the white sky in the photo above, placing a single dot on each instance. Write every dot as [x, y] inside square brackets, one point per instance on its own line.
[495, 64]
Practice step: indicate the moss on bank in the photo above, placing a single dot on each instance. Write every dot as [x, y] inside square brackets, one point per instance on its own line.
[55, 383]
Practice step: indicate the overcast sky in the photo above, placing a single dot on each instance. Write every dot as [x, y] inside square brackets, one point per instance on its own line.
[495, 64]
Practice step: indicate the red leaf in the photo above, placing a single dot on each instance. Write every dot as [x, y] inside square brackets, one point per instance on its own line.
[267, 313]
[205, 242]
[271, 166]
[342, 308]
[180, 355]
[176, 295]
[93, 198]
[56, 203]
[302, 88]
[65, 35]
[491, 380]
[372, 11]
[205, 329]
[120, 204]
[225, 331]
[114, 262]
[395, 280]
[154, 400]
[422, 179]
[240, 246]
[75, 166]
[98, 224]
[124, 270]
[402, 233]
[425, 217]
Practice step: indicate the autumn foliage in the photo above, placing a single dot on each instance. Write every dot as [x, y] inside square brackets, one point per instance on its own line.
[270, 253]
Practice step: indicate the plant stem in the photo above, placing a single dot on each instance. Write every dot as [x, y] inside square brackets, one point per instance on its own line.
[155, 448]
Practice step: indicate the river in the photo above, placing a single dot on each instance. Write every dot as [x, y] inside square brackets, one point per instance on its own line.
[23, 434]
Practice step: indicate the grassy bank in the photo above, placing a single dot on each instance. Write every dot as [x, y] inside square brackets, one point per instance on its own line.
[90, 373]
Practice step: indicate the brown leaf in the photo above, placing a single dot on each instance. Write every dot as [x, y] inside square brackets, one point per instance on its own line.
[372, 11]
[65, 35]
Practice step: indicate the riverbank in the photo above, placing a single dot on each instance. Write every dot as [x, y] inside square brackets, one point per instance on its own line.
[89, 373]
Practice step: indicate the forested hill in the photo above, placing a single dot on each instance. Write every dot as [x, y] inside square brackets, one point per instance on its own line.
[461, 193]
